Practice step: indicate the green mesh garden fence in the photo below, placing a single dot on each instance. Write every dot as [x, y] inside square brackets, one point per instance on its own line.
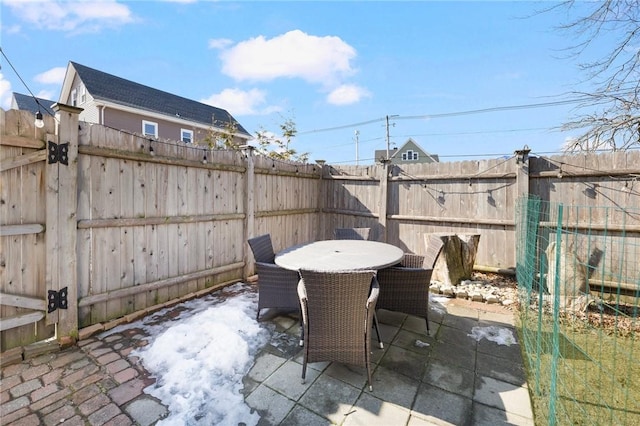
[579, 286]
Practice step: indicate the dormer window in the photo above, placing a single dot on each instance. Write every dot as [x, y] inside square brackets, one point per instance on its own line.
[74, 97]
[409, 155]
[83, 94]
[149, 128]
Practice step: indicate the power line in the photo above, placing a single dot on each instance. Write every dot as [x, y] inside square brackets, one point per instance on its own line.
[492, 109]
[346, 126]
[453, 114]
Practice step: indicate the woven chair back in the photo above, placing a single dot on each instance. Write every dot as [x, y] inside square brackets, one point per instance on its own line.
[412, 260]
[405, 290]
[262, 249]
[336, 315]
[352, 233]
[434, 247]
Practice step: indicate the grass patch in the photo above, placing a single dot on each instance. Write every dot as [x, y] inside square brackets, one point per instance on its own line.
[595, 376]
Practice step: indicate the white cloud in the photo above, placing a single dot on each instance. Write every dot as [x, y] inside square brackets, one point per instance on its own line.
[347, 94]
[241, 102]
[5, 93]
[11, 29]
[84, 16]
[295, 54]
[48, 94]
[220, 43]
[53, 76]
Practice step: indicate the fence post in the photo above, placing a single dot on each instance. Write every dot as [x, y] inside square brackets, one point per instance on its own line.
[321, 234]
[556, 321]
[522, 173]
[61, 223]
[384, 202]
[249, 206]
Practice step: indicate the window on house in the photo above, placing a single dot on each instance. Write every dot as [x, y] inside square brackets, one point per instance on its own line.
[74, 97]
[83, 94]
[186, 135]
[149, 128]
[409, 155]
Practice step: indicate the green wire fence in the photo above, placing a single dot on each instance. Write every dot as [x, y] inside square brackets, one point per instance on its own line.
[578, 270]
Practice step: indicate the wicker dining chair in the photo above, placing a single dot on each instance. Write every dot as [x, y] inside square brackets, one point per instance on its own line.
[405, 290]
[337, 311]
[276, 285]
[351, 233]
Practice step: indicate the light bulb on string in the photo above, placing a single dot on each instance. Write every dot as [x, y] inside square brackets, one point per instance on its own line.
[39, 122]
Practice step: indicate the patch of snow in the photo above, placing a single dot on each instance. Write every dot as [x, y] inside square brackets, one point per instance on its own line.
[200, 357]
[499, 335]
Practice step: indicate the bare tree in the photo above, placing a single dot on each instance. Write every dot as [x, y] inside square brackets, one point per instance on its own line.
[613, 120]
[279, 147]
[221, 134]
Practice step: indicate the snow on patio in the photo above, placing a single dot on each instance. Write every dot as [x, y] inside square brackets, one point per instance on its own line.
[200, 357]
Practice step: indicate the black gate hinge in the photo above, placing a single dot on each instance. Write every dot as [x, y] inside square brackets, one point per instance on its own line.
[59, 152]
[57, 299]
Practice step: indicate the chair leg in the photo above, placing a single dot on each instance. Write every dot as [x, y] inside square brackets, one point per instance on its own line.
[375, 325]
[301, 343]
[304, 367]
[426, 318]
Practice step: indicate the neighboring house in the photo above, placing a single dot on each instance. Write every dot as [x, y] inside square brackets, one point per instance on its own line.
[29, 103]
[124, 105]
[409, 153]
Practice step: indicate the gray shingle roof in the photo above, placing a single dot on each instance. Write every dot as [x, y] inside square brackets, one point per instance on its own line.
[29, 103]
[107, 87]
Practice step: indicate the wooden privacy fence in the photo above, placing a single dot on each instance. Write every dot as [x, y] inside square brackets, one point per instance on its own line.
[131, 223]
[402, 203]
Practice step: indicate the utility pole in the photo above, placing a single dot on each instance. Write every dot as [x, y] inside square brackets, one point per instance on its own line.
[357, 133]
[388, 133]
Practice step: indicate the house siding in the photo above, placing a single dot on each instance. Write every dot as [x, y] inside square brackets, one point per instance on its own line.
[130, 122]
[90, 111]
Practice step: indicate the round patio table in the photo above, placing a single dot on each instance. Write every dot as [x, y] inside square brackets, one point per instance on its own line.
[339, 255]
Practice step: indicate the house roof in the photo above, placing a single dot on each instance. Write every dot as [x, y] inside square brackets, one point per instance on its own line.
[382, 153]
[33, 104]
[107, 87]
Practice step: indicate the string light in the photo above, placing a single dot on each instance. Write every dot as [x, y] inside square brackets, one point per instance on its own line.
[39, 122]
[151, 151]
[204, 158]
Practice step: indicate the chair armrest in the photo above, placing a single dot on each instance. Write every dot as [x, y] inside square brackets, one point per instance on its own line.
[302, 290]
[374, 293]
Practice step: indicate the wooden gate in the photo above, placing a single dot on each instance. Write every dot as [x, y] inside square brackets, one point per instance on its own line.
[37, 227]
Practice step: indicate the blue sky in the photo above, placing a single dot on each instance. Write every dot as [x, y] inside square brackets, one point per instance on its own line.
[343, 66]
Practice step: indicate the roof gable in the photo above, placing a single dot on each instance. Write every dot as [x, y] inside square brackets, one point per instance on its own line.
[409, 145]
[33, 104]
[107, 87]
